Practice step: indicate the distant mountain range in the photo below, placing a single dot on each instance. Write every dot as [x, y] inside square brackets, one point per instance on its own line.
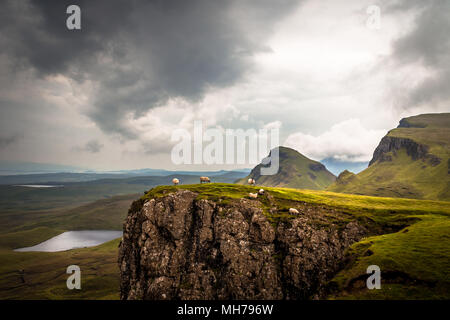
[337, 166]
[73, 177]
[411, 161]
[15, 196]
[17, 167]
[295, 171]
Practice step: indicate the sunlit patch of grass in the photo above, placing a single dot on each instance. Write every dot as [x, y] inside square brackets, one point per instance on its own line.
[415, 259]
[417, 256]
[421, 255]
[354, 203]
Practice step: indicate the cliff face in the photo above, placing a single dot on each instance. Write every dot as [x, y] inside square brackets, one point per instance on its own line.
[392, 144]
[181, 247]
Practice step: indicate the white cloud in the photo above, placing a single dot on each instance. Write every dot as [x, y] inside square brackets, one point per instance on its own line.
[273, 125]
[348, 140]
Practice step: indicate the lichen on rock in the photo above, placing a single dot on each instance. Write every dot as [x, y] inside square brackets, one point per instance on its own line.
[179, 246]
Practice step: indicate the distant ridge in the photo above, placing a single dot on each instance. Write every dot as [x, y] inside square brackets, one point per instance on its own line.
[337, 166]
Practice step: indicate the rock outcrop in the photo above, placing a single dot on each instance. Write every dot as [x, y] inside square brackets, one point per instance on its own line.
[180, 246]
[392, 144]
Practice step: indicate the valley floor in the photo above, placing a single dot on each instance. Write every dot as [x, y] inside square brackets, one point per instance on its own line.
[410, 243]
[42, 275]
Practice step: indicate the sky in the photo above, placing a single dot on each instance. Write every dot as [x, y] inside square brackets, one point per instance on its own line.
[110, 96]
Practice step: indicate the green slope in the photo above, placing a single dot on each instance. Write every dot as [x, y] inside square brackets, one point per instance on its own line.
[411, 161]
[42, 275]
[295, 171]
[414, 263]
[418, 254]
[411, 247]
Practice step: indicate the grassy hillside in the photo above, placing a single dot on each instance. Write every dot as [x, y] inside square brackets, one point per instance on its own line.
[101, 214]
[411, 247]
[410, 243]
[42, 275]
[13, 198]
[412, 161]
[29, 216]
[414, 263]
[295, 171]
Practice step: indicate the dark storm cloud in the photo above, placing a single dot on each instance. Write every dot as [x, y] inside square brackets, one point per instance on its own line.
[34, 33]
[428, 44]
[139, 54]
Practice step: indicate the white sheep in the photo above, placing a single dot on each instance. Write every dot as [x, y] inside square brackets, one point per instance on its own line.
[293, 211]
[261, 191]
[251, 181]
[204, 179]
[253, 195]
[175, 181]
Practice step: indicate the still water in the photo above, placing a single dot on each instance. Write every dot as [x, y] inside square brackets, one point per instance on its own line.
[36, 186]
[74, 239]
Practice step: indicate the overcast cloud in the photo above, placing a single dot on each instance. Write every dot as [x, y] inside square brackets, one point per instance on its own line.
[92, 146]
[428, 45]
[110, 95]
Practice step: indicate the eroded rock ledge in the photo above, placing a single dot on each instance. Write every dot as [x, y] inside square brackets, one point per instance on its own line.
[392, 144]
[181, 247]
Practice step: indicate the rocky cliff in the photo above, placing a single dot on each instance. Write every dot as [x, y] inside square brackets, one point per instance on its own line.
[390, 145]
[182, 245]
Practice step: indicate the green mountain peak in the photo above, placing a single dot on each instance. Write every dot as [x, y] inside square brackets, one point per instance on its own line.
[295, 171]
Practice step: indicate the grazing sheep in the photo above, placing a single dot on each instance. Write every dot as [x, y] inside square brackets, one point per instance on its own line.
[251, 181]
[253, 195]
[293, 211]
[175, 181]
[204, 179]
[261, 191]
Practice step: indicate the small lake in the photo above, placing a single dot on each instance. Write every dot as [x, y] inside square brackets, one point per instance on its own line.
[74, 239]
[36, 186]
